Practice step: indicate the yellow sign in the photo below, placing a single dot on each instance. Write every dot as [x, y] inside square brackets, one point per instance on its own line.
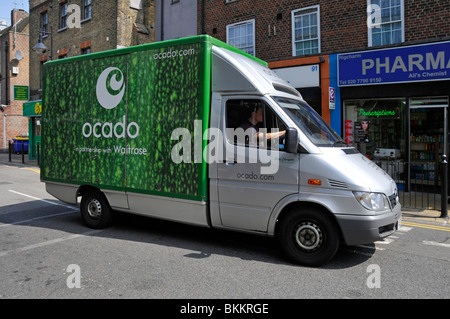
[38, 108]
[33, 108]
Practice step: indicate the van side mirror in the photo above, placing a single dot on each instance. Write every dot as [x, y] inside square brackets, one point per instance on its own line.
[291, 140]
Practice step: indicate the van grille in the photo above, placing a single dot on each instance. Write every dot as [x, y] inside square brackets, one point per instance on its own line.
[337, 184]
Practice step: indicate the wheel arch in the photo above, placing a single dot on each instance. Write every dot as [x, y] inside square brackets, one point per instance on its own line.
[84, 189]
[303, 205]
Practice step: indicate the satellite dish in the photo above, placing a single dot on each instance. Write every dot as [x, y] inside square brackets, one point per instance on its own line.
[18, 55]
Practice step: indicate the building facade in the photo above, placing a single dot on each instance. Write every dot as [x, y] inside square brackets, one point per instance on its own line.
[377, 71]
[74, 27]
[14, 83]
[69, 28]
[175, 19]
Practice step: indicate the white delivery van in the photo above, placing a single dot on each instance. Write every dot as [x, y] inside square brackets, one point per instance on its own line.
[195, 131]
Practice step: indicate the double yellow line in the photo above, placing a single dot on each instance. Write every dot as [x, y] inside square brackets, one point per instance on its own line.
[435, 227]
[36, 170]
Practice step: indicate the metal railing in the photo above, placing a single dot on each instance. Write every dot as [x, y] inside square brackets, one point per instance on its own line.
[421, 184]
[18, 147]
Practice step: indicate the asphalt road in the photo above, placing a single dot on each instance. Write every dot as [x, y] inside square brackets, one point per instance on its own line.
[45, 252]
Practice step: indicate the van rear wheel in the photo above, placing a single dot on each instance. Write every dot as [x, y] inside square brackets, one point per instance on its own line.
[95, 210]
[308, 237]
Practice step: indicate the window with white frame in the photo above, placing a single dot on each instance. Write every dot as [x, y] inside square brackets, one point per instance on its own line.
[385, 22]
[242, 36]
[306, 31]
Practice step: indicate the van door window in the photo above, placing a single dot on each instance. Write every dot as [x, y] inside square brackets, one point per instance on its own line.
[253, 123]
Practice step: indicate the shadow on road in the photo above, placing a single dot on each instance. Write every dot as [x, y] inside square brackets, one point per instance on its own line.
[203, 242]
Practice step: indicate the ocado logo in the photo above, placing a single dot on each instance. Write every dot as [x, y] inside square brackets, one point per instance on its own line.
[109, 101]
[104, 97]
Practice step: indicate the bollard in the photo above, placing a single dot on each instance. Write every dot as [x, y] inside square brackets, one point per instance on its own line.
[444, 189]
[23, 153]
[37, 154]
[9, 149]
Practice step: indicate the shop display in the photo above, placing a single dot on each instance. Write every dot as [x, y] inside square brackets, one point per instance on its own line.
[426, 144]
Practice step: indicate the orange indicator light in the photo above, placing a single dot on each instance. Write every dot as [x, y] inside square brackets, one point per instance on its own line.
[316, 182]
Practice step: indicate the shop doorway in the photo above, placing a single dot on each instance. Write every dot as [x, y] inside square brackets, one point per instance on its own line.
[428, 127]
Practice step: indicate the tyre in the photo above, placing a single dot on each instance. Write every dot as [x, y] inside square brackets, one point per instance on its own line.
[308, 236]
[95, 210]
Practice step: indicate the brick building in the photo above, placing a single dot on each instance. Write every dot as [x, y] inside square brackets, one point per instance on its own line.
[377, 71]
[14, 77]
[67, 28]
[341, 25]
[86, 26]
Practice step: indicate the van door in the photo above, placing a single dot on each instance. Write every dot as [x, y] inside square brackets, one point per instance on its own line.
[256, 173]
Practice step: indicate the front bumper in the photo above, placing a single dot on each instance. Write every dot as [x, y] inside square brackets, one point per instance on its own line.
[358, 229]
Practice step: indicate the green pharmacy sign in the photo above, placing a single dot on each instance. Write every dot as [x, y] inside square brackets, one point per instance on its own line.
[376, 113]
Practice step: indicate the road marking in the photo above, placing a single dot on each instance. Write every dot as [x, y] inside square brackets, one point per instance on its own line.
[36, 218]
[49, 242]
[427, 226]
[385, 241]
[36, 170]
[433, 243]
[43, 200]
[370, 247]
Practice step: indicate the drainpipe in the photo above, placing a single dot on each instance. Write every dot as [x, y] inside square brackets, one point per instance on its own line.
[162, 20]
[4, 130]
[203, 17]
[6, 72]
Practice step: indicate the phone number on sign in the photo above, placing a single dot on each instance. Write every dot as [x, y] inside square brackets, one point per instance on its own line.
[360, 81]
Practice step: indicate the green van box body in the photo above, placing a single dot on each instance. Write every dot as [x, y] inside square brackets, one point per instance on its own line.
[158, 88]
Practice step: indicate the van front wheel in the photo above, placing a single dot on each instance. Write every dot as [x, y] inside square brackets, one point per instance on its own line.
[95, 210]
[308, 238]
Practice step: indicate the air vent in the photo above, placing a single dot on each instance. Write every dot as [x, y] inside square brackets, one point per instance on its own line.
[350, 151]
[285, 89]
[337, 184]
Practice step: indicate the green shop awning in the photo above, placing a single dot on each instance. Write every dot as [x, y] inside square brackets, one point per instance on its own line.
[33, 108]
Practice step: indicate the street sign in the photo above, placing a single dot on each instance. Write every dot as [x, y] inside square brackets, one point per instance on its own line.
[21, 93]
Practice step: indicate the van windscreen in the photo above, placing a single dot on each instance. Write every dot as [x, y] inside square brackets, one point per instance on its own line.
[311, 123]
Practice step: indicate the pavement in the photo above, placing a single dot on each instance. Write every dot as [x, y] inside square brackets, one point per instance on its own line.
[423, 215]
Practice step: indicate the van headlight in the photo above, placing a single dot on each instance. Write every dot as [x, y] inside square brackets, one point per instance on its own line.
[372, 201]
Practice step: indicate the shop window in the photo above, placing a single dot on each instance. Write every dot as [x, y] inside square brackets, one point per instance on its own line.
[427, 141]
[377, 128]
[37, 126]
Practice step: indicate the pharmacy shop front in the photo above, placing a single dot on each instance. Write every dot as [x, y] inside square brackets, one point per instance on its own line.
[395, 109]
